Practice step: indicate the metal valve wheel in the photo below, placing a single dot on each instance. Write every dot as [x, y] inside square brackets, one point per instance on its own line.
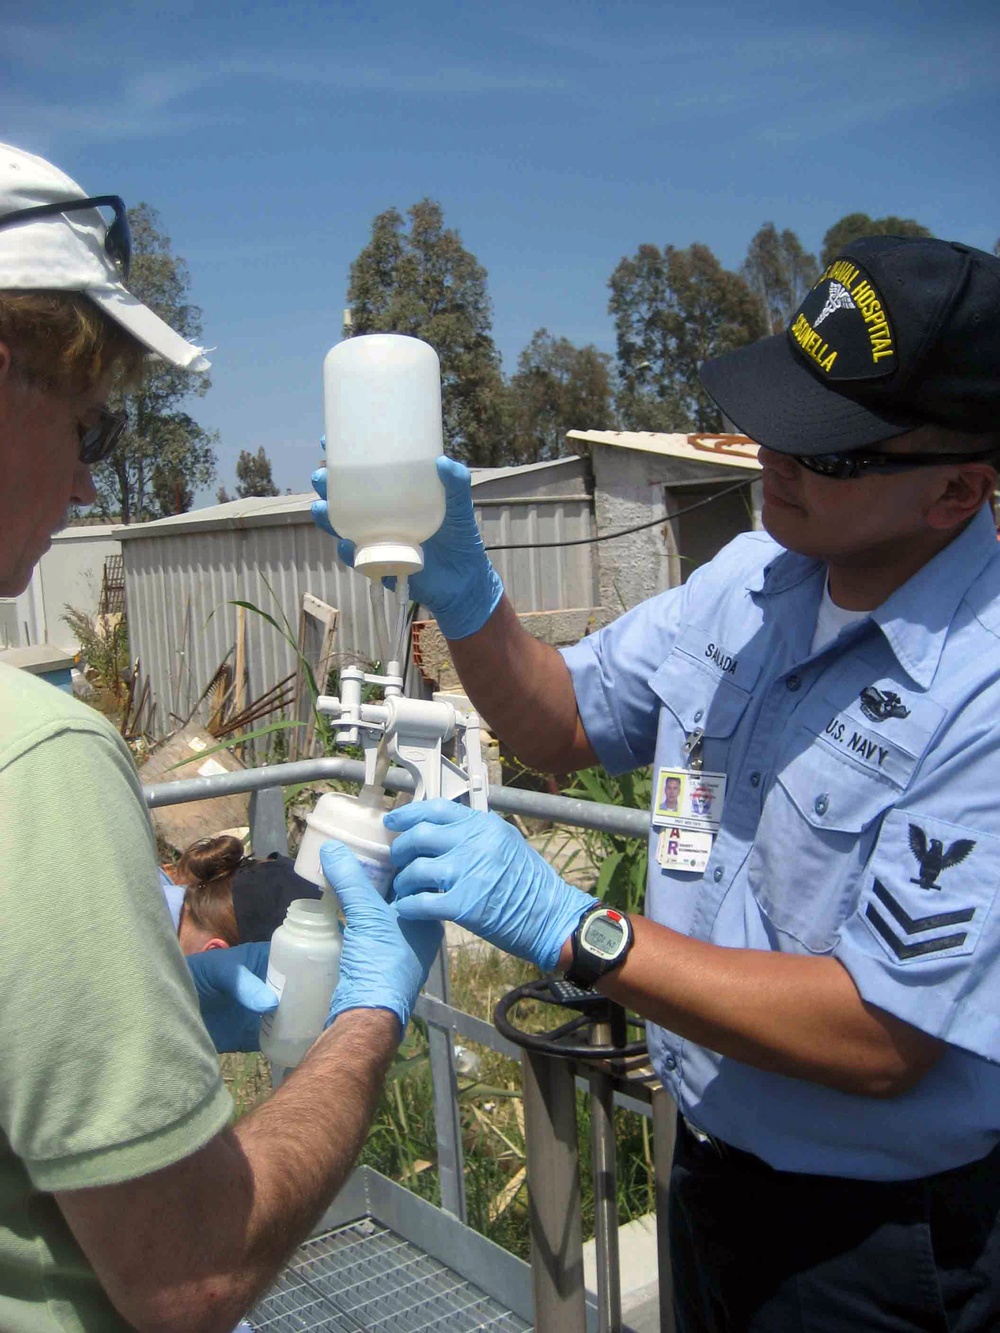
[564, 1040]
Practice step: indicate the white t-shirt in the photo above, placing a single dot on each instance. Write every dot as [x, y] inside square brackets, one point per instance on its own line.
[831, 620]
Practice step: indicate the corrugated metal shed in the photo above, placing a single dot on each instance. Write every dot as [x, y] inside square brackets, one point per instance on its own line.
[182, 575]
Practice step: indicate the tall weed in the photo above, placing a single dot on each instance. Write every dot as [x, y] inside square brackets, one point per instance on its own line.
[621, 862]
[104, 644]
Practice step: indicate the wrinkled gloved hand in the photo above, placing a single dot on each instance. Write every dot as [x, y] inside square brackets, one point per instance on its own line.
[493, 882]
[457, 584]
[232, 994]
[384, 961]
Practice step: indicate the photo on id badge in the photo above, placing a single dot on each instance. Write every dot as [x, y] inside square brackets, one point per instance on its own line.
[670, 792]
[688, 795]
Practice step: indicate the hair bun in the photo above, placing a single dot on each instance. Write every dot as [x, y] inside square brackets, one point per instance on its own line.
[208, 858]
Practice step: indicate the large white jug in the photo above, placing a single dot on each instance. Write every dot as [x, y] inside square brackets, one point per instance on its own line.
[382, 400]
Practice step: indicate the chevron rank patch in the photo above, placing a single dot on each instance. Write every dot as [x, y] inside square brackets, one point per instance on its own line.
[931, 886]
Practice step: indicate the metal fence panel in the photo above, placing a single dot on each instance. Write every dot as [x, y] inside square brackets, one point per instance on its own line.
[182, 580]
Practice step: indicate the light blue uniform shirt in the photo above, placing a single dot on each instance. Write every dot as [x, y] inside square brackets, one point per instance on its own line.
[861, 820]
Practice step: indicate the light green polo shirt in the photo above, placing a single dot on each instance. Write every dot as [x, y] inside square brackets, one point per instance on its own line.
[106, 1071]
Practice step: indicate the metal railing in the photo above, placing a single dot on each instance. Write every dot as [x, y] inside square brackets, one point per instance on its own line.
[549, 1084]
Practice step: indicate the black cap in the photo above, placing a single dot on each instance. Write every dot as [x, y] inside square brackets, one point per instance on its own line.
[262, 891]
[897, 333]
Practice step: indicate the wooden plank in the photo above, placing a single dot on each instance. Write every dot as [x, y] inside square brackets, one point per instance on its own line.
[179, 825]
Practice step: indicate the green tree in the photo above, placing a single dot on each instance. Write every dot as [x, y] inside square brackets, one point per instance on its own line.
[674, 309]
[253, 474]
[422, 281]
[855, 225]
[558, 387]
[165, 455]
[779, 272]
[184, 460]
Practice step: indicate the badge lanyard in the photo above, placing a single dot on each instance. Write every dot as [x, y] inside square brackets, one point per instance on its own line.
[687, 808]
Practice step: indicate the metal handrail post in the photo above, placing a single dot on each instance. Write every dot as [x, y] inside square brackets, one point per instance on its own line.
[447, 1117]
[664, 1136]
[268, 826]
[553, 1170]
[605, 1171]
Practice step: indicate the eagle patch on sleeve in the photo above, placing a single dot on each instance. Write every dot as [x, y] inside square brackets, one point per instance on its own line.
[931, 887]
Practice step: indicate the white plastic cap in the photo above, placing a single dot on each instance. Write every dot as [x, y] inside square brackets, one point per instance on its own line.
[384, 558]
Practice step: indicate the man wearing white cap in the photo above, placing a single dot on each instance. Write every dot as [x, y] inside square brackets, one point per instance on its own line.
[125, 1198]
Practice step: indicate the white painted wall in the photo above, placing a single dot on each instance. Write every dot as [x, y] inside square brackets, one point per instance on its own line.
[633, 486]
[69, 574]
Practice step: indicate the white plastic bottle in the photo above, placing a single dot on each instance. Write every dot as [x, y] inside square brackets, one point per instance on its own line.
[382, 398]
[302, 969]
[357, 824]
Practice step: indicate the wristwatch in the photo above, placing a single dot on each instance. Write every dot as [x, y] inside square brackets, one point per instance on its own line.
[600, 943]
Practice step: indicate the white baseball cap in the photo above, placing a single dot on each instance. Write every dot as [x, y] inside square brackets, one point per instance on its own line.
[68, 252]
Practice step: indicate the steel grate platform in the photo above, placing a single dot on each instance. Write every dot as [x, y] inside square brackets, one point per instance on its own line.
[364, 1278]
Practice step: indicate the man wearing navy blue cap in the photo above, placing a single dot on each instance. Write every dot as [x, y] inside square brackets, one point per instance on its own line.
[820, 954]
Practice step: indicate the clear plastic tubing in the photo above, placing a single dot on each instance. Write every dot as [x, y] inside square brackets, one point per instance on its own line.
[382, 403]
[302, 969]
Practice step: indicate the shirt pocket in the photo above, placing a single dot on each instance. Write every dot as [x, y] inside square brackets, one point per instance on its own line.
[817, 830]
[695, 699]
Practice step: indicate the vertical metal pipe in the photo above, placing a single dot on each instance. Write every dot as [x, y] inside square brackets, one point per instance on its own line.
[268, 829]
[664, 1134]
[602, 1149]
[553, 1194]
[447, 1120]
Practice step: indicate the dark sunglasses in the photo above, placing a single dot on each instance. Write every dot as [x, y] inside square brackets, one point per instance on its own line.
[845, 467]
[117, 238]
[97, 441]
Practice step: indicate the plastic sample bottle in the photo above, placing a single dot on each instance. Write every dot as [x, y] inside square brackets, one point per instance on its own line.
[357, 823]
[382, 400]
[302, 969]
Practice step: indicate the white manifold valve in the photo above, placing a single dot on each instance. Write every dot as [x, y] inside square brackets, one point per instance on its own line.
[407, 732]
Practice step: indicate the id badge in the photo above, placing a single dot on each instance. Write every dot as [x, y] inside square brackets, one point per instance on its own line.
[683, 849]
[689, 799]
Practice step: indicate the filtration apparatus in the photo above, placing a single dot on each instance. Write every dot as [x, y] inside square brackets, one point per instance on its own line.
[382, 395]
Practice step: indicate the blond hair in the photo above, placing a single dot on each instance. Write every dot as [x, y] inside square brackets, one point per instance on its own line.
[62, 340]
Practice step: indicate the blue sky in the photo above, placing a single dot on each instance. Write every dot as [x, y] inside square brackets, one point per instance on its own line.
[557, 137]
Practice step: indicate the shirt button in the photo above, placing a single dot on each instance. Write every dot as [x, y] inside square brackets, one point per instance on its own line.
[754, 779]
[670, 1061]
[699, 715]
[717, 873]
[821, 804]
[793, 683]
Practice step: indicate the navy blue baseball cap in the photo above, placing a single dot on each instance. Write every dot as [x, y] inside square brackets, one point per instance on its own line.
[262, 893]
[897, 333]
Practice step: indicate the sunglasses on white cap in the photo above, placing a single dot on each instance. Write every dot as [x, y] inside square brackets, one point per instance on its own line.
[117, 238]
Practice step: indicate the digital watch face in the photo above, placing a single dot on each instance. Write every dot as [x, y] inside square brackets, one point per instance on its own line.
[604, 934]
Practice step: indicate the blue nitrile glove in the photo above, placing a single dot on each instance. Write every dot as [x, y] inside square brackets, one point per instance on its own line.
[493, 882]
[385, 961]
[457, 584]
[232, 994]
